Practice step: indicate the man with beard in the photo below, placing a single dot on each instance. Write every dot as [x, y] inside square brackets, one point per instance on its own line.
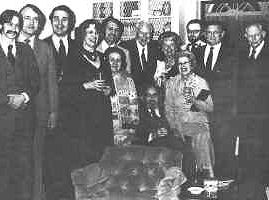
[194, 34]
[47, 99]
[19, 84]
[112, 30]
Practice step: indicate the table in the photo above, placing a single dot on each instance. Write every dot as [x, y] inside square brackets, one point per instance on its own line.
[247, 190]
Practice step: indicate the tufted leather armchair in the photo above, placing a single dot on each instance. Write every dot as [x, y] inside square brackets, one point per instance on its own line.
[127, 172]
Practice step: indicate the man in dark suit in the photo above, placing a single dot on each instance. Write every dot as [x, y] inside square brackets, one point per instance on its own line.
[58, 146]
[253, 102]
[47, 98]
[217, 64]
[63, 21]
[19, 84]
[143, 53]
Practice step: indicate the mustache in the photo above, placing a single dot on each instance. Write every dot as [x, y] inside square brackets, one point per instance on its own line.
[12, 32]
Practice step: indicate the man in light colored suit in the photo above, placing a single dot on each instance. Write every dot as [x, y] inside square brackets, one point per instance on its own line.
[47, 99]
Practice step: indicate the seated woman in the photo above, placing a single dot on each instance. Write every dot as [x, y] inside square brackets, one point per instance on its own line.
[124, 103]
[187, 102]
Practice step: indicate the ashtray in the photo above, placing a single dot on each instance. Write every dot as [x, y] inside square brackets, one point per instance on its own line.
[195, 190]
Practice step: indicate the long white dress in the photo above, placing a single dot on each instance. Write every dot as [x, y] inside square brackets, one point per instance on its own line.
[189, 123]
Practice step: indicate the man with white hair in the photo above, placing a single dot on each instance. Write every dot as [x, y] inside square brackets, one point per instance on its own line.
[253, 102]
[143, 53]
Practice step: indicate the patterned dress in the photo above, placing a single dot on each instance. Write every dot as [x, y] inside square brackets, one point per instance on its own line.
[191, 123]
[124, 105]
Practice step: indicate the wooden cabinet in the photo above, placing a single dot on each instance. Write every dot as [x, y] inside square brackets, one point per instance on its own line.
[163, 14]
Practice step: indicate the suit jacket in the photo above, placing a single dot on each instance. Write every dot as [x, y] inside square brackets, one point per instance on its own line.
[142, 76]
[221, 80]
[47, 97]
[24, 77]
[71, 45]
[253, 83]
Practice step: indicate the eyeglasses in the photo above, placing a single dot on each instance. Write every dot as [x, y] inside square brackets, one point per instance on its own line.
[185, 63]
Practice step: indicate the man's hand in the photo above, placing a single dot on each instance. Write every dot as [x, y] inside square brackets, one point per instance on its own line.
[16, 100]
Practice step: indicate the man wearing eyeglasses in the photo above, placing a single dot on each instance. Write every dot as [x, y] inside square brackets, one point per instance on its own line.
[19, 84]
[47, 99]
[217, 64]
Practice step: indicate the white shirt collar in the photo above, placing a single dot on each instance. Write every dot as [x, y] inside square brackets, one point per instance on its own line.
[104, 46]
[31, 39]
[56, 41]
[140, 48]
[257, 49]
[4, 44]
[216, 49]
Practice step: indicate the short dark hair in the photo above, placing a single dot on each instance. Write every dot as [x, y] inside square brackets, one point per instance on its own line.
[196, 21]
[116, 50]
[7, 16]
[80, 31]
[71, 18]
[220, 24]
[41, 16]
[175, 37]
[114, 20]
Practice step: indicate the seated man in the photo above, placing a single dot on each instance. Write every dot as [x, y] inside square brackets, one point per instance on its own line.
[154, 129]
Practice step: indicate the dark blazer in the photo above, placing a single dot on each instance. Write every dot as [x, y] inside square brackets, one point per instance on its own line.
[71, 45]
[24, 77]
[221, 79]
[47, 97]
[145, 76]
[253, 83]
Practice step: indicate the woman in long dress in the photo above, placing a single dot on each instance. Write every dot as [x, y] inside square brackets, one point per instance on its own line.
[124, 101]
[187, 103]
[88, 86]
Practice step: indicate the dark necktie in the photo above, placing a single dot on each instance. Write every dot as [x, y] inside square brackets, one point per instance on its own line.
[61, 56]
[143, 58]
[252, 56]
[10, 55]
[62, 52]
[209, 60]
[27, 41]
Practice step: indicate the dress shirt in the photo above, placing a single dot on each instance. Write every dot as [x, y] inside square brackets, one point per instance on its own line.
[4, 44]
[215, 53]
[56, 42]
[257, 49]
[140, 48]
[23, 39]
[104, 46]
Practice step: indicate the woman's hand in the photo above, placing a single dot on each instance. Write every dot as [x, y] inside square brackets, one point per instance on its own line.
[95, 85]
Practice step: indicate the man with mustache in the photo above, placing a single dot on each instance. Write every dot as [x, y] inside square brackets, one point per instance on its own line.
[47, 99]
[112, 29]
[19, 84]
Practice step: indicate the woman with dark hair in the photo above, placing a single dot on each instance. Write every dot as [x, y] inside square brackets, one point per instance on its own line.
[187, 104]
[170, 43]
[88, 86]
[124, 102]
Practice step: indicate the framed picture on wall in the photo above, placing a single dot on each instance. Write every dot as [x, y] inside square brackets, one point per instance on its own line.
[102, 9]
